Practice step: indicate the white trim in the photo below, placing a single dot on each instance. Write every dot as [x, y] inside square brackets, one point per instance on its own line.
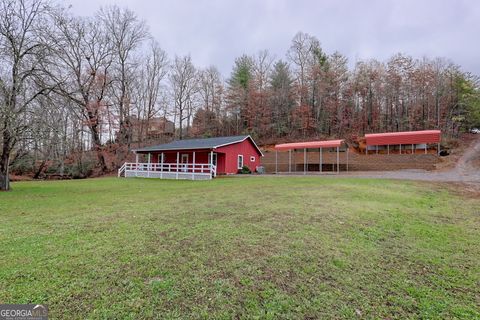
[238, 160]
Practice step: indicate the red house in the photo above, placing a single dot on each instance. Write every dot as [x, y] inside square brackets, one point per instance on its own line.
[195, 158]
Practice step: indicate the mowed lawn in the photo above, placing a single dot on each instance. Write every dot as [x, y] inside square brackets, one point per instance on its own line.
[246, 248]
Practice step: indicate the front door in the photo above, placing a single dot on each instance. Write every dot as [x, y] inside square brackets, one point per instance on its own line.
[184, 161]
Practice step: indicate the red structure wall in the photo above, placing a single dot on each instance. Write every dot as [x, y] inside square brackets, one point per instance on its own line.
[245, 148]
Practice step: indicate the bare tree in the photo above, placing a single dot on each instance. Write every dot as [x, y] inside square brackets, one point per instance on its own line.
[80, 68]
[127, 33]
[21, 51]
[149, 85]
[183, 80]
[210, 89]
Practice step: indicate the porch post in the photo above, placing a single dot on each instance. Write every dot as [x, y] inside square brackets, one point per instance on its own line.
[136, 158]
[304, 161]
[178, 158]
[425, 148]
[376, 150]
[438, 149]
[148, 165]
[211, 164]
[412, 149]
[193, 166]
[388, 149]
[161, 166]
[400, 148]
[366, 148]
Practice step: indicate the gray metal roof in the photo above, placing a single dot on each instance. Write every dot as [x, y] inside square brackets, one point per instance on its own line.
[205, 143]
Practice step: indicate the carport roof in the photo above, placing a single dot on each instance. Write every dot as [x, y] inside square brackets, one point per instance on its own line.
[405, 137]
[309, 145]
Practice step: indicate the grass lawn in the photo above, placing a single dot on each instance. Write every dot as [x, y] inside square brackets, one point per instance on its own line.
[248, 248]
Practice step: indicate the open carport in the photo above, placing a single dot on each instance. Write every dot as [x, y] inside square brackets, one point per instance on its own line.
[323, 148]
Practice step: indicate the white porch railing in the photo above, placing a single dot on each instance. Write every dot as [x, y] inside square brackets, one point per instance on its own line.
[197, 171]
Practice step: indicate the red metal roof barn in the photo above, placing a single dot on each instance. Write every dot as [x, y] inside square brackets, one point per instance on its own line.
[195, 158]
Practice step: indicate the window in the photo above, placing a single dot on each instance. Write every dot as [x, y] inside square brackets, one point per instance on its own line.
[240, 161]
[252, 159]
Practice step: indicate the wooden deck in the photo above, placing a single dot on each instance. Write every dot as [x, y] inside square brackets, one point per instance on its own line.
[186, 171]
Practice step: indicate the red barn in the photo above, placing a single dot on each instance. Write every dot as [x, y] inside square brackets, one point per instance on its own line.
[195, 158]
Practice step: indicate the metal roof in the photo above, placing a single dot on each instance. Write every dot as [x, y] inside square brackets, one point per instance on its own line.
[204, 143]
[309, 145]
[405, 137]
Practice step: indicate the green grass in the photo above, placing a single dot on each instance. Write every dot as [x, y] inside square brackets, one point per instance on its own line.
[248, 248]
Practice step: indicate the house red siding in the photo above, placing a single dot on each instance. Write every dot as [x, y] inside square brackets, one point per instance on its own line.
[245, 148]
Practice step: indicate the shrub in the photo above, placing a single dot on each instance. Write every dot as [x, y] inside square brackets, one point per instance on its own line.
[80, 170]
[244, 170]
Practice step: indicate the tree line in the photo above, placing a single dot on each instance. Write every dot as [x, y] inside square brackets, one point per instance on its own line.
[72, 89]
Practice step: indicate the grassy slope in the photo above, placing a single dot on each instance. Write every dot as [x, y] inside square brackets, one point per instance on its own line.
[255, 247]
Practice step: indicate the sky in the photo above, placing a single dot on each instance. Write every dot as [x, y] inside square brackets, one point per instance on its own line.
[215, 32]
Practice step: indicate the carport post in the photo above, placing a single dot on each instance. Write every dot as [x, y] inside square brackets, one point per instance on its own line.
[438, 148]
[193, 166]
[276, 161]
[304, 161]
[290, 161]
[400, 148]
[425, 148]
[338, 159]
[388, 149]
[347, 157]
[321, 159]
[178, 155]
[376, 150]
[413, 149]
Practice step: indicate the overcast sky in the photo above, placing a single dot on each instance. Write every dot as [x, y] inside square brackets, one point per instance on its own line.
[217, 31]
